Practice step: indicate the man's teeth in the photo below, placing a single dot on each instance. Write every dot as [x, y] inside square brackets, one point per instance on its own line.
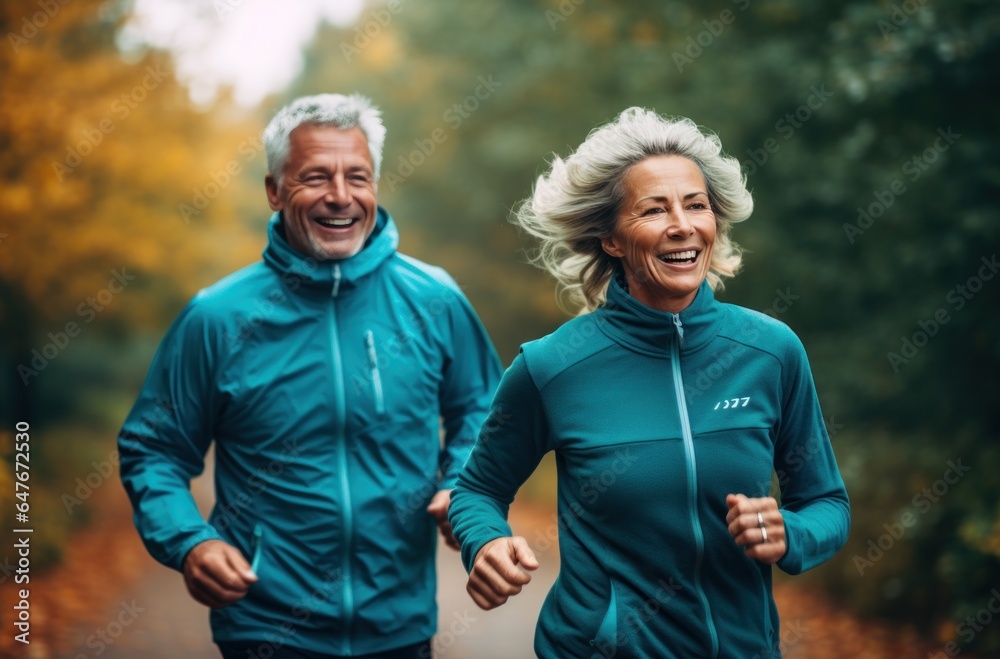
[679, 256]
[336, 221]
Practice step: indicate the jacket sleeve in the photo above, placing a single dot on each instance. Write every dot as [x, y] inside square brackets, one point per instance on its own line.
[814, 502]
[163, 441]
[510, 446]
[471, 373]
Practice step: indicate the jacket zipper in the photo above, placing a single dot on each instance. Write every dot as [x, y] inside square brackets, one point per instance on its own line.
[376, 376]
[692, 473]
[340, 412]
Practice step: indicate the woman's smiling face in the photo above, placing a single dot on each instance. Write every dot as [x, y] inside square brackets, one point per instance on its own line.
[664, 232]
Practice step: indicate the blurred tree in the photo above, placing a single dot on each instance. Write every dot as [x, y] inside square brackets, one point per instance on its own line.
[865, 131]
[93, 192]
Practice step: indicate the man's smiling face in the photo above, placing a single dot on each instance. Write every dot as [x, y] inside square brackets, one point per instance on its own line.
[327, 192]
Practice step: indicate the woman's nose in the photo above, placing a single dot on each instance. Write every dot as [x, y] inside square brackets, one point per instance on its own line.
[678, 225]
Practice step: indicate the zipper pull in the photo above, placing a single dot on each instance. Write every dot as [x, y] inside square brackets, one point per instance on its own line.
[336, 279]
[680, 329]
[376, 376]
[370, 346]
[255, 547]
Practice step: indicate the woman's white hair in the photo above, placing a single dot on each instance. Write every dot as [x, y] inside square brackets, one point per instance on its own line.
[343, 112]
[576, 203]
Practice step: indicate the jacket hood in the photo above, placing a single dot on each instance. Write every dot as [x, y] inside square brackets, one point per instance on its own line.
[379, 247]
[635, 325]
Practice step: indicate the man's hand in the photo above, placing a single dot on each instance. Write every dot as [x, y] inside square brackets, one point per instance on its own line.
[766, 544]
[438, 509]
[216, 574]
[495, 575]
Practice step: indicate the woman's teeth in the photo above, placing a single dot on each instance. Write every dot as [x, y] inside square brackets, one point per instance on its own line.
[679, 257]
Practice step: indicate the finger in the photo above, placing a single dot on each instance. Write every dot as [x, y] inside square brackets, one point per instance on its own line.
[218, 575]
[448, 535]
[742, 505]
[524, 555]
[203, 596]
[500, 581]
[733, 501]
[438, 507]
[239, 564]
[768, 552]
[482, 601]
[504, 565]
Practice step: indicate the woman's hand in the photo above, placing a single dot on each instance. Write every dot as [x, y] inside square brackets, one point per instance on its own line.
[495, 574]
[757, 526]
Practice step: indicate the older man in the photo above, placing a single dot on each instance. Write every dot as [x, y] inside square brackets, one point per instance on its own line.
[323, 374]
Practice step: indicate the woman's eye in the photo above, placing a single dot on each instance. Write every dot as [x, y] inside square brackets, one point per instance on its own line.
[656, 210]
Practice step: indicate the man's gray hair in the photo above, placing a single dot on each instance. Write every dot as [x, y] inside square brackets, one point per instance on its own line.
[338, 110]
[575, 204]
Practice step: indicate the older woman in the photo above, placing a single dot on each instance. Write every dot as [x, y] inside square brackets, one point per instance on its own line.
[667, 411]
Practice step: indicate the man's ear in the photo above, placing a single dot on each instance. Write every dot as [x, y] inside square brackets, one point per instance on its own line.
[273, 193]
[611, 247]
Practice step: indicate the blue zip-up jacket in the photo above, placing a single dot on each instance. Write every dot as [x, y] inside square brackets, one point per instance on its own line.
[654, 418]
[324, 386]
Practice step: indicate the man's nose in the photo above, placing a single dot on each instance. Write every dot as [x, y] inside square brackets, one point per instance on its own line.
[336, 192]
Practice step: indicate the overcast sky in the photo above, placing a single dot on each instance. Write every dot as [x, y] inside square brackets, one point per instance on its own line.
[253, 45]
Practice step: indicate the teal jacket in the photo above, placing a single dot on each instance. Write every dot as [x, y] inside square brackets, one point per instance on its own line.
[324, 386]
[654, 418]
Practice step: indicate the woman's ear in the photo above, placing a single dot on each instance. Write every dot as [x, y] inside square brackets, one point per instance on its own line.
[611, 247]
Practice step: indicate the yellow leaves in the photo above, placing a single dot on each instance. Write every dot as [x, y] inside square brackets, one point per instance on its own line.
[383, 53]
[99, 154]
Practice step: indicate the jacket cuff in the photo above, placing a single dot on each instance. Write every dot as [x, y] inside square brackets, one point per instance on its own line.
[184, 548]
[791, 562]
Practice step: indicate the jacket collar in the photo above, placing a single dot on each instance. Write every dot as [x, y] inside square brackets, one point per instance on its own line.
[631, 323]
[337, 274]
